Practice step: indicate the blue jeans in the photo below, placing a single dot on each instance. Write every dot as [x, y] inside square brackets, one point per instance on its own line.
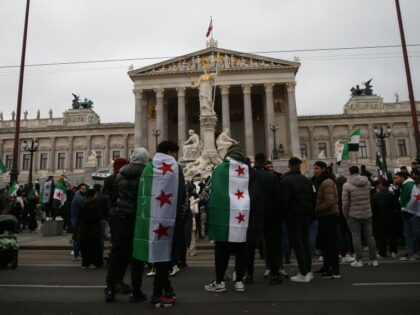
[76, 249]
[313, 233]
[411, 231]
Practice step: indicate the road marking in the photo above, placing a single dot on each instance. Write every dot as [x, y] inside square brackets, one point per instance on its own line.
[386, 283]
[52, 286]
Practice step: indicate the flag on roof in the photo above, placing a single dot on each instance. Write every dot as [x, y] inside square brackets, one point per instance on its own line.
[210, 29]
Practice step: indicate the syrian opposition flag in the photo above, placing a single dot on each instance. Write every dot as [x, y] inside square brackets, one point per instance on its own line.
[13, 189]
[410, 198]
[210, 29]
[343, 153]
[3, 169]
[354, 140]
[101, 175]
[380, 166]
[229, 204]
[46, 192]
[60, 192]
[156, 210]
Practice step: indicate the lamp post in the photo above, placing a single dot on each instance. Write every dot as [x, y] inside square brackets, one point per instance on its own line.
[31, 148]
[273, 128]
[156, 133]
[381, 135]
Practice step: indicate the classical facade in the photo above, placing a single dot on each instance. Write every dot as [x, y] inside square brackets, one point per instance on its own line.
[252, 93]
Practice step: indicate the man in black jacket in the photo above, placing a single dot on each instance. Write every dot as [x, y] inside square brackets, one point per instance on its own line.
[127, 182]
[298, 201]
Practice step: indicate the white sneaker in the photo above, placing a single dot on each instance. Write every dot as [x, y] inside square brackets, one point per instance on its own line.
[174, 271]
[321, 258]
[300, 278]
[283, 273]
[357, 263]
[310, 275]
[239, 286]
[151, 273]
[374, 263]
[394, 255]
[405, 258]
[72, 253]
[216, 287]
[267, 273]
[347, 259]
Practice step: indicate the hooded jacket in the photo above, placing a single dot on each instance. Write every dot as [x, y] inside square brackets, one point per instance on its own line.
[356, 197]
[127, 182]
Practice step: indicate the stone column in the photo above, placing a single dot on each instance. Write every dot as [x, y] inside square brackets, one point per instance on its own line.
[248, 124]
[1, 151]
[182, 122]
[70, 155]
[293, 120]
[88, 147]
[372, 143]
[392, 145]
[331, 142]
[269, 110]
[125, 149]
[140, 119]
[51, 161]
[159, 114]
[224, 89]
[311, 143]
[106, 151]
[412, 147]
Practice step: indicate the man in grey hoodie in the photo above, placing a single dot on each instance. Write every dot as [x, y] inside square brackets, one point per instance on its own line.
[357, 211]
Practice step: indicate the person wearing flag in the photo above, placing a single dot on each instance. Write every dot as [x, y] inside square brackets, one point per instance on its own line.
[159, 227]
[46, 196]
[59, 197]
[409, 199]
[231, 220]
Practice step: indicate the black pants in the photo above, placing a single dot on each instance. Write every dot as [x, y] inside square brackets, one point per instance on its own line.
[90, 249]
[299, 240]
[222, 253]
[328, 231]
[273, 242]
[386, 234]
[121, 250]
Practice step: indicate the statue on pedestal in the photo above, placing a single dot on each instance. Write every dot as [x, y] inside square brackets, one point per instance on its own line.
[192, 146]
[223, 142]
[38, 114]
[13, 115]
[25, 115]
[50, 113]
[91, 159]
[205, 86]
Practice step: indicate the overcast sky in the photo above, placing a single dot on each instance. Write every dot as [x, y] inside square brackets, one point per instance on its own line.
[81, 30]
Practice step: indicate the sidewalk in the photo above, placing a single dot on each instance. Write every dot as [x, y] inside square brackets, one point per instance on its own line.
[36, 240]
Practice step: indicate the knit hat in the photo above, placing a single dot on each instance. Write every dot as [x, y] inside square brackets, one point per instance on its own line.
[118, 163]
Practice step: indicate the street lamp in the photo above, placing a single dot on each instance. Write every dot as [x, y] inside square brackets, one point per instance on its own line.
[273, 128]
[31, 148]
[381, 134]
[156, 133]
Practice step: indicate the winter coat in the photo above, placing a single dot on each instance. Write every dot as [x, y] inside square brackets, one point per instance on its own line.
[76, 205]
[298, 196]
[384, 205]
[356, 197]
[89, 220]
[327, 198]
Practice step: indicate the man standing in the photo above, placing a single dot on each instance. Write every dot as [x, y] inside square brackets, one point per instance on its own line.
[298, 197]
[76, 205]
[127, 182]
[159, 225]
[47, 197]
[357, 211]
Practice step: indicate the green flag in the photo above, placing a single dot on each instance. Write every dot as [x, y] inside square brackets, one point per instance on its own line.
[3, 169]
[343, 154]
[60, 192]
[13, 189]
[353, 144]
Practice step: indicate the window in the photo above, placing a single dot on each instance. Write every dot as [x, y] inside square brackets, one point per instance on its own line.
[26, 162]
[98, 158]
[43, 159]
[61, 161]
[115, 155]
[79, 159]
[9, 162]
[303, 150]
[402, 148]
[362, 149]
[322, 147]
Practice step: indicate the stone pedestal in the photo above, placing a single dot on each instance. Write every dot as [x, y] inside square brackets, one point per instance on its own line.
[208, 127]
[52, 228]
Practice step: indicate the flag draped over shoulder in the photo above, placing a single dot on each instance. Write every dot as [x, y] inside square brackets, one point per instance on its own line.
[229, 204]
[46, 192]
[410, 198]
[60, 192]
[156, 210]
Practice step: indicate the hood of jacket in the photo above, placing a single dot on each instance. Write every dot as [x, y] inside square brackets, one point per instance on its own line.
[358, 180]
[139, 156]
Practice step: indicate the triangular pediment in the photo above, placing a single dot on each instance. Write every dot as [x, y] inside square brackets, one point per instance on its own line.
[213, 59]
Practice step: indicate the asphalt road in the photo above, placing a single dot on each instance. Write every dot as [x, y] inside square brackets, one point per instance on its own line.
[49, 283]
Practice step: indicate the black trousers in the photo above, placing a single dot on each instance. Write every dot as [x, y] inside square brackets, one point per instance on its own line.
[299, 240]
[222, 253]
[385, 232]
[328, 231]
[90, 249]
[121, 250]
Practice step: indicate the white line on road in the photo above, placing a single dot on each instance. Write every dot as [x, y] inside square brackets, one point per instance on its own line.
[52, 286]
[385, 283]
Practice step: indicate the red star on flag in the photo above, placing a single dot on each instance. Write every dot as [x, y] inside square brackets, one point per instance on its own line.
[417, 197]
[161, 231]
[164, 198]
[59, 194]
[166, 168]
[240, 217]
[240, 170]
[239, 194]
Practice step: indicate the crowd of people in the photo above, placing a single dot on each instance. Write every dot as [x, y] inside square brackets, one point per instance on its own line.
[153, 217]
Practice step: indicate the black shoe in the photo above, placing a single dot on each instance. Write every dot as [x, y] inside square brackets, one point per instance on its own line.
[137, 297]
[277, 279]
[327, 275]
[122, 288]
[109, 295]
[249, 279]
